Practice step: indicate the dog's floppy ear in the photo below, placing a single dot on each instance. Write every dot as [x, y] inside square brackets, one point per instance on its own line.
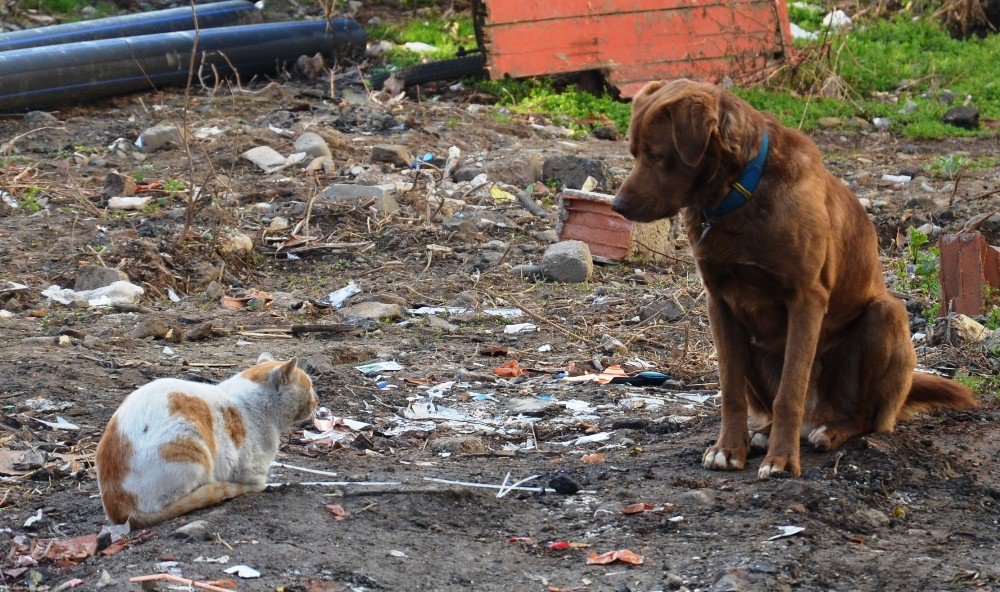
[695, 119]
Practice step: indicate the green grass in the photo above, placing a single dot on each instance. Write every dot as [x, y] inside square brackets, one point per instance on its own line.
[874, 60]
[73, 8]
[446, 35]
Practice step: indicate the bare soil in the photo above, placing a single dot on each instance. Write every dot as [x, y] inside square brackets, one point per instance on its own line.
[913, 509]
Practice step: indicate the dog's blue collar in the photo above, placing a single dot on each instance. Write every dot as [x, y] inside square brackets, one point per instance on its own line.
[742, 190]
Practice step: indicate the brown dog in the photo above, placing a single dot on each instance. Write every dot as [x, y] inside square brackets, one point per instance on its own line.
[807, 335]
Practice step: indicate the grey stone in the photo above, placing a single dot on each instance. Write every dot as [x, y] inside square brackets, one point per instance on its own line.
[394, 154]
[214, 291]
[39, 119]
[947, 97]
[830, 122]
[438, 324]
[346, 192]
[606, 132]
[696, 497]
[196, 530]
[532, 407]
[737, 580]
[466, 173]
[316, 364]
[873, 518]
[546, 236]
[312, 144]
[386, 299]
[568, 261]
[965, 117]
[92, 277]
[285, 301]
[371, 311]
[527, 270]
[159, 136]
[495, 245]
[664, 310]
[266, 158]
[992, 344]
[458, 445]
[572, 171]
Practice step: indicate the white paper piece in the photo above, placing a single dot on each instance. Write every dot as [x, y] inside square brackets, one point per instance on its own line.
[787, 531]
[222, 559]
[598, 437]
[33, 519]
[59, 424]
[337, 298]
[520, 328]
[243, 571]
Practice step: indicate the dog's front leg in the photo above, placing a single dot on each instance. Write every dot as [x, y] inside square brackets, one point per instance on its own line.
[805, 320]
[733, 346]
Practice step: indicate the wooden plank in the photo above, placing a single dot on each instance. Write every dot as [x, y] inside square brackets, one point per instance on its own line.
[518, 11]
[582, 43]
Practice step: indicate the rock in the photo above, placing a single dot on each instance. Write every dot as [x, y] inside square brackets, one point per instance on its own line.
[278, 223]
[872, 518]
[117, 184]
[532, 407]
[564, 485]
[285, 301]
[546, 236]
[572, 171]
[830, 122]
[214, 291]
[393, 154]
[992, 344]
[316, 364]
[358, 314]
[610, 346]
[385, 203]
[495, 245]
[697, 498]
[606, 132]
[159, 136]
[235, 244]
[312, 144]
[568, 261]
[665, 310]
[438, 324]
[386, 299]
[965, 330]
[467, 173]
[737, 580]
[965, 117]
[266, 158]
[38, 119]
[196, 530]
[931, 230]
[91, 277]
[947, 97]
[527, 270]
[458, 445]
[200, 332]
[150, 327]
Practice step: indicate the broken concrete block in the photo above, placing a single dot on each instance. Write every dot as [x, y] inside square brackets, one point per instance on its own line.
[312, 144]
[970, 267]
[394, 154]
[348, 193]
[568, 261]
[588, 217]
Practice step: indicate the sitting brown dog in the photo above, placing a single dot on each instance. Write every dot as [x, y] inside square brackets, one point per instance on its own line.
[807, 335]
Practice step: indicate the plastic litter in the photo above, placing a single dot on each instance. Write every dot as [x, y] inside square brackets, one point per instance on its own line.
[375, 367]
[120, 292]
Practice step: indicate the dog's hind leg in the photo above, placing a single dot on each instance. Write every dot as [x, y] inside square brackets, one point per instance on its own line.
[867, 379]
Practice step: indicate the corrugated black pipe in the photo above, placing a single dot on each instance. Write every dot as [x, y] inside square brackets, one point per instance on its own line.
[210, 16]
[41, 77]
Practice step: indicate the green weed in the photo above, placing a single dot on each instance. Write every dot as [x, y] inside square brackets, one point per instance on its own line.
[446, 35]
[577, 110]
[918, 271]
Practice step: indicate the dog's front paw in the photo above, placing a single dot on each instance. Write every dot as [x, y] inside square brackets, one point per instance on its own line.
[720, 458]
[779, 466]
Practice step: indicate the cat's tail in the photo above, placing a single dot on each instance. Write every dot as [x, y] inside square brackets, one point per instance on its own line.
[929, 391]
[203, 497]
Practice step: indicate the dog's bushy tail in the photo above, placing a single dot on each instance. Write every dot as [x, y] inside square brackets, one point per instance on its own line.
[929, 391]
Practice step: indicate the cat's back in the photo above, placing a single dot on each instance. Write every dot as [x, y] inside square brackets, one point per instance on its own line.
[166, 409]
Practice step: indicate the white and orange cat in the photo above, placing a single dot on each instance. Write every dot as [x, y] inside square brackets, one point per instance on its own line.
[175, 446]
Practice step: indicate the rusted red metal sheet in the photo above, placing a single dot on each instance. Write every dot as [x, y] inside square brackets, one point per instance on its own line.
[969, 265]
[633, 41]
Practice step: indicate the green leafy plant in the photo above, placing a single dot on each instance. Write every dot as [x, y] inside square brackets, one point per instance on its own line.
[918, 271]
[947, 167]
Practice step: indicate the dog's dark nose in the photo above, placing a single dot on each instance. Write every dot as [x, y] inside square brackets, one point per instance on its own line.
[619, 206]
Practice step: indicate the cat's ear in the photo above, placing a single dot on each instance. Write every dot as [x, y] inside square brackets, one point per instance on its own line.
[265, 357]
[288, 370]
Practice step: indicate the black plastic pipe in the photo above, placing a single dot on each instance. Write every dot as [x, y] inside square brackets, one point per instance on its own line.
[210, 16]
[41, 77]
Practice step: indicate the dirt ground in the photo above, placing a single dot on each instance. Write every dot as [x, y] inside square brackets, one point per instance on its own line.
[914, 509]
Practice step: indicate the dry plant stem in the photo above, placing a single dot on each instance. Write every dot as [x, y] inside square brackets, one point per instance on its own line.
[9, 145]
[553, 324]
[192, 193]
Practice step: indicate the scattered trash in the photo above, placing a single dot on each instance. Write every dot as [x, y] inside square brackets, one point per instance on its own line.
[837, 19]
[337, 298]
[243, 571]
[376, 367]
[621, 556]
[222, 559]
[33, 519]
[213, 586]
[897, 178]
[337, 511]
[59, 424]
[563, 545]
[120, 292]
[519, 328]
[787, 531]
[129, 203]
[590, 459]
[511, 369]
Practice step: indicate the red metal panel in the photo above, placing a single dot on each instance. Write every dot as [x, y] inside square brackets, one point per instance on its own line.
[968, 265]
[518, 11]
[634, 40]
